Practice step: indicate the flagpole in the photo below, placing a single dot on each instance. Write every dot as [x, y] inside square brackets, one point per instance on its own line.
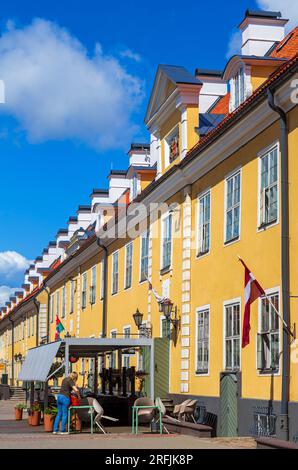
[274, 308]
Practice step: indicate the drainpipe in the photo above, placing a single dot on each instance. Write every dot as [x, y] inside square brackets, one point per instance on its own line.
[105, 287]
[37, 304]
[47, 289]
[12, 350]
[285, 264]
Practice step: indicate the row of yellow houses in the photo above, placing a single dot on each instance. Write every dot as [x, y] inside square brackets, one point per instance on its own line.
[218, 180]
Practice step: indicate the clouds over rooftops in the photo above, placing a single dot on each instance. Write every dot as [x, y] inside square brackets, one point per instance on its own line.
[12, 266]
[57, 90]
[288, 9]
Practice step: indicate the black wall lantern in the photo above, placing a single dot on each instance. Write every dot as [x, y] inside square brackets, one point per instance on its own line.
[138, 318]
[166, 307]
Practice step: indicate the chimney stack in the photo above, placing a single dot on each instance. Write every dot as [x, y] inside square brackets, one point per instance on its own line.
[260, 31]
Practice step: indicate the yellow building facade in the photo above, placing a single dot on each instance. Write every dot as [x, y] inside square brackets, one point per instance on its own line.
[210, 188]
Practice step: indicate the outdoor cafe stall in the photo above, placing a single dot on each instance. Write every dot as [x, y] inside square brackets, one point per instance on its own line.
[38, 366]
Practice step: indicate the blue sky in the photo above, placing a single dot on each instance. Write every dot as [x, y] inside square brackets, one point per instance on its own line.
[60, 133]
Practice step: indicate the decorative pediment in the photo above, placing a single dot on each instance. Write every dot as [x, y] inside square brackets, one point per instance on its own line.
[167, 83]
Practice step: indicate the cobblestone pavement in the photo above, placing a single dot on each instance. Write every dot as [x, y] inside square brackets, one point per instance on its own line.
[18, 435]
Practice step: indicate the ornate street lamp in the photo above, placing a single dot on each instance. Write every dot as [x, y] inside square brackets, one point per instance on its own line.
[138, 318]
[166, 307]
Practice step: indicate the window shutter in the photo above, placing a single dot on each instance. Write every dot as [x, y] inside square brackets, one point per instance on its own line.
[260, 352]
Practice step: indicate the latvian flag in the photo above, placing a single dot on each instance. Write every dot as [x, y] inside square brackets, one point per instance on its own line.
[59, 328]
[252, 290]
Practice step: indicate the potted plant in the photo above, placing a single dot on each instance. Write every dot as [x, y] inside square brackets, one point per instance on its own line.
[19, 411]
[36, 413]
[29, 413]
[49, 418]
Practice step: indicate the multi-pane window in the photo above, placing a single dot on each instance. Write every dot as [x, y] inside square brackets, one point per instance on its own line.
[202, 342]
[232, 216]
[128, 265]
[52, 300]
[204, 224]
[144, 255]
[126, 357]
[71, 297]
[113, 355]
[28, 326]
[268, 190]
[57, 303]
[166, 241]
[239, 88]
[115, 272]
[63, 302]
[165, 328]
[102, 280]
[84, 290]
[32, 325]
[232, 336]
[269, 334]
[93, 285]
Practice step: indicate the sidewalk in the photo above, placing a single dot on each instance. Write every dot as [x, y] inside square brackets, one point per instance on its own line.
[18, 435]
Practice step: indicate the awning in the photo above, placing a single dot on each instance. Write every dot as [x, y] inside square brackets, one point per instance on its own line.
[38, 362]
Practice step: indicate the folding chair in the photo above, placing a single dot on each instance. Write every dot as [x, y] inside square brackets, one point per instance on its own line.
[100, 415]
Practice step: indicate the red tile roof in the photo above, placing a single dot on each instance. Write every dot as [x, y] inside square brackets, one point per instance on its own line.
[222, 105]
[246, 105]
[288, 47]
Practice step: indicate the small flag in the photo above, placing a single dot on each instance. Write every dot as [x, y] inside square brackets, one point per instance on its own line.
[252, 290]
[157, 297]
[59, 328]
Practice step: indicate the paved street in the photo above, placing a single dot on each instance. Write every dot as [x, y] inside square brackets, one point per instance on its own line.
[18, 435]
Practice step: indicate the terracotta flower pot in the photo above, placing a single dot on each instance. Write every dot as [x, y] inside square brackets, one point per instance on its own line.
[49, 423]
[35, 418]
[18, 414]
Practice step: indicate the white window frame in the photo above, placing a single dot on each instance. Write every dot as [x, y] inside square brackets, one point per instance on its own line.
[84, 290]
[63, 302]
[101, 280]
[260, 224]
[227, 303]
[52, 307]
[126, 357]
[71, 296]
[239, 78]
[199, 310]
[270, 292]
[115, 254]
[143, 236]
[162, 244]
[57, 303]
[199, 252]
[128, 266]
[113, 355]
[161, 320]
[227, 178]
[92, 291]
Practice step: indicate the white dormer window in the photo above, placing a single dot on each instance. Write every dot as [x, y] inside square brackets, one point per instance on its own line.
[239, 88]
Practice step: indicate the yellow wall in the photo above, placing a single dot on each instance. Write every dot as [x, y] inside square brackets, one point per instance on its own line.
[259, 75]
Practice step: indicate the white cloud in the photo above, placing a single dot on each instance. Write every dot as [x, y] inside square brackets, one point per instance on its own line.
[56, 90]
[5, 293]
[11, 265]
[234, 46]
[129, 54]
[288, 8]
